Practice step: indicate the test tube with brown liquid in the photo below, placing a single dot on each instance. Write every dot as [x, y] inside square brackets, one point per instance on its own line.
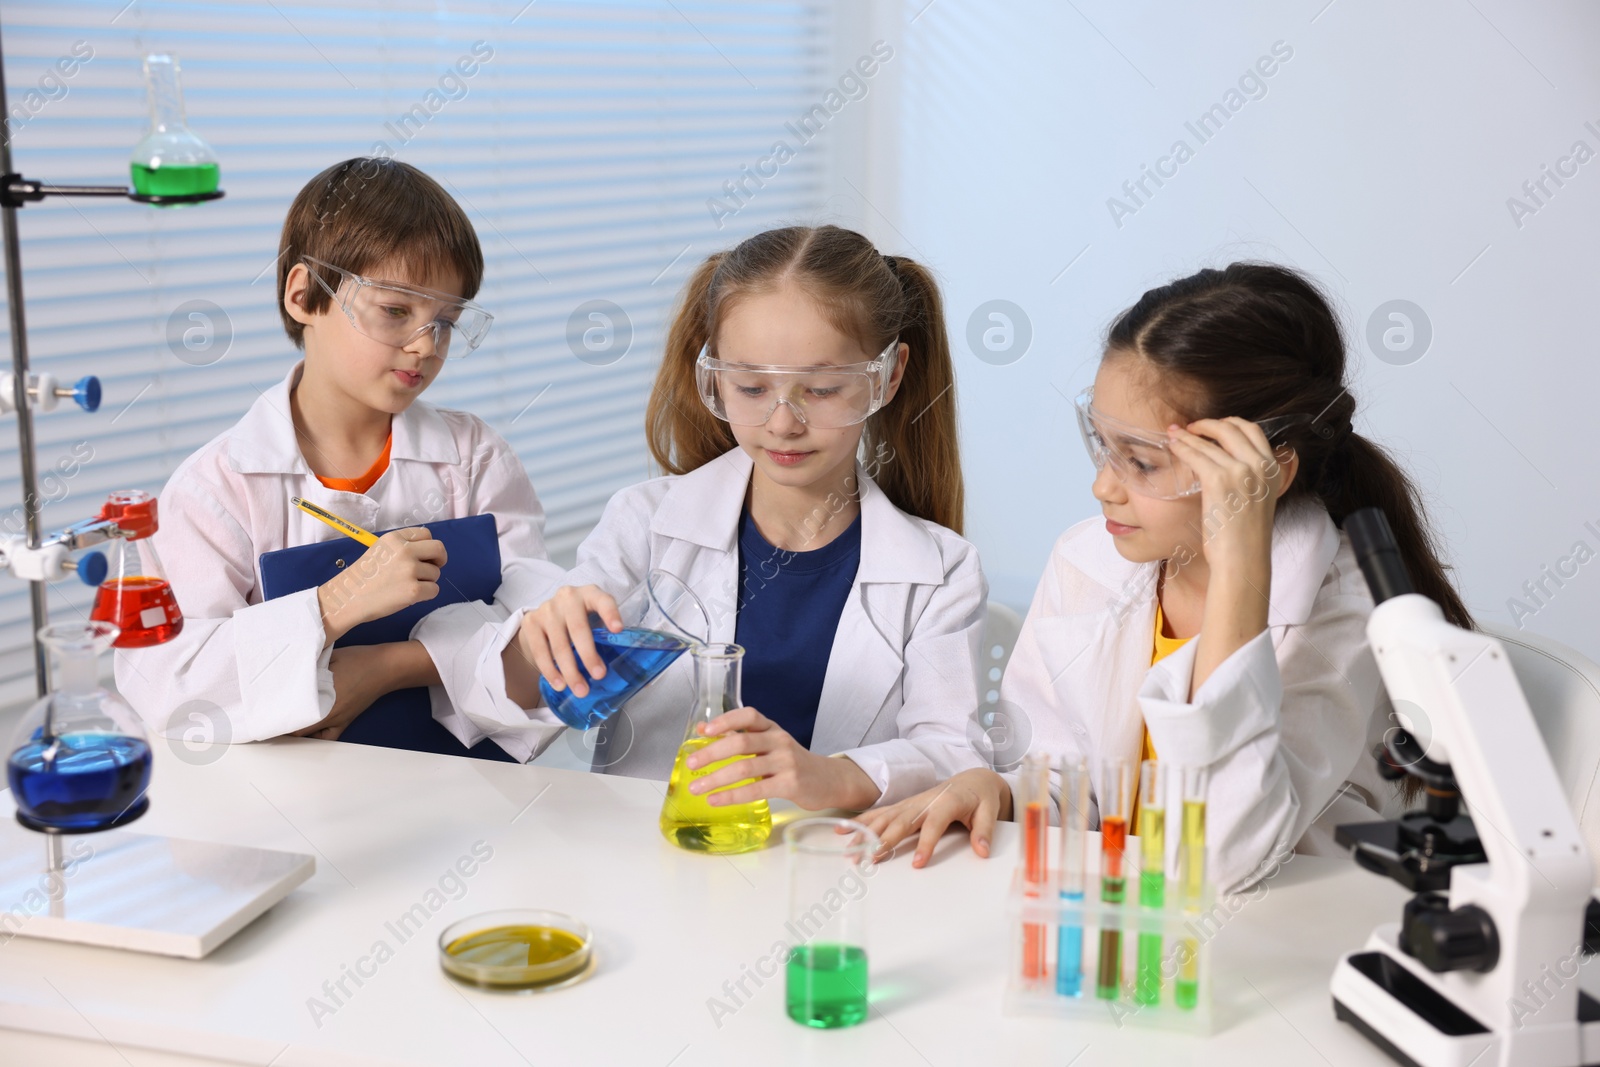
[1116, 800]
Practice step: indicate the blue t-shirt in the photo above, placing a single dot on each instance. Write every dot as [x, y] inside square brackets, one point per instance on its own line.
[789, 608]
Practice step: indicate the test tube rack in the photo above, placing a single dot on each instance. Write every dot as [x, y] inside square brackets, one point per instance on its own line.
[1185, 929]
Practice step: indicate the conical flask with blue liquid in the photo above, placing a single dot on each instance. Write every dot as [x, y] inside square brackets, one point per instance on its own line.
[661, 619]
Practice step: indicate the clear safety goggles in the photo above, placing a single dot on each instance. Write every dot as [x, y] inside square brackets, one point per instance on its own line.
[398, 314]
[1142, 460]
[825, 397]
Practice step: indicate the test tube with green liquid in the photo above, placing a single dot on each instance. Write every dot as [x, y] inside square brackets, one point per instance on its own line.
[1191, 880]
[1152, 876]
[1116, 798]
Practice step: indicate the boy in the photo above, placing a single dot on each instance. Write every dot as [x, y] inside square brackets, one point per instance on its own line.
[377, 268]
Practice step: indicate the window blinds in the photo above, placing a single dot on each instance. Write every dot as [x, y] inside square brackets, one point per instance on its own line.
[590, 143]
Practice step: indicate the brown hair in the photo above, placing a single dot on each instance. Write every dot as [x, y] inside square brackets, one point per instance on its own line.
[369, 211]
[1258, 340]
[867, 296]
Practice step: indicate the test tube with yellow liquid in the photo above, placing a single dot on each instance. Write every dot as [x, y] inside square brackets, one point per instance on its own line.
[688, 820]
[1191, 879]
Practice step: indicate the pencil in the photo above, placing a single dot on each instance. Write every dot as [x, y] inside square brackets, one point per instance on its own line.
[349, 529]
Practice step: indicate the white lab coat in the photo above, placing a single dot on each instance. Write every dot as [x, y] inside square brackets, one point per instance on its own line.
[262, 665]
[1285, 724]
[901, 683]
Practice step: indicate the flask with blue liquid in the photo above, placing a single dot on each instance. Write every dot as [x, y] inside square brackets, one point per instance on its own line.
[661, 620]
[80, 761]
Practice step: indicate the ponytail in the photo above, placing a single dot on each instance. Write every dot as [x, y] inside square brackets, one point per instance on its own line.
[1359, 473]
[681, 431]
[919, 429]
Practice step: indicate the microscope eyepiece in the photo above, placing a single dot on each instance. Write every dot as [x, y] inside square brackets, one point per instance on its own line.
[1378, 554]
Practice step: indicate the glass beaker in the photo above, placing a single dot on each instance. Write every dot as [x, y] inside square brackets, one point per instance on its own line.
[830, 861]
[661, 619]
[79, 759]
[135, 596]
[687, 820]
[172, 160]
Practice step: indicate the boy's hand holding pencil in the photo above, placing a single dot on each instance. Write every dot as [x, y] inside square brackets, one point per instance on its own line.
[397, 570]
[400, 569]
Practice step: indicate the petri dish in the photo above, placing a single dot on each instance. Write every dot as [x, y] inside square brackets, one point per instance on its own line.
[519, 950]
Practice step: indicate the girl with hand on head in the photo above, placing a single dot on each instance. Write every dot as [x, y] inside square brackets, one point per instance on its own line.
[1213, 615]
[805, 412]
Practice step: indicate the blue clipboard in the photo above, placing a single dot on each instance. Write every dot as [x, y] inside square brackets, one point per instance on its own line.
[403, 718]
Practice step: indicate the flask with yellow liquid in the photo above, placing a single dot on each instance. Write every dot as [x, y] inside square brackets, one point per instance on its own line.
[686, 819]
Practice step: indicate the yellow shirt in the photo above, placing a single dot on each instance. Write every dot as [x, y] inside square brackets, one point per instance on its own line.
[1162, 647]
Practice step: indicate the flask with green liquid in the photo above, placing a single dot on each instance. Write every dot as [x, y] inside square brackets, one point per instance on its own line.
[172, 160]
[687, 820]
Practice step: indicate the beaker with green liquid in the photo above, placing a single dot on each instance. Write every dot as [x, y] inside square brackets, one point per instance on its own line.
[830, 862]
[689, 820]
[172, 160]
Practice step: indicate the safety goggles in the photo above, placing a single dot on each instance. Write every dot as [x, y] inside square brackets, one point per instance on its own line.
[824, 397]
[399, 314]
[1143, 460]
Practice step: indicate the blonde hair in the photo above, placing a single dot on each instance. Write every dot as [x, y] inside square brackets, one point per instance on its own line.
[867, 296]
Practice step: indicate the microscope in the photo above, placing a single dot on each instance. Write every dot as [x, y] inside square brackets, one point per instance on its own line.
[1482, 968]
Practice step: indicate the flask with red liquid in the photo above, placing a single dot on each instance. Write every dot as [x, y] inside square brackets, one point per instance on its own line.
[135, 597]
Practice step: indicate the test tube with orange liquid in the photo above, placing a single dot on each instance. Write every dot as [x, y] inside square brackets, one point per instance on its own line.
[1034, 814]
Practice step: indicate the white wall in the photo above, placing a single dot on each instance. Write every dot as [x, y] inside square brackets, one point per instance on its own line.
[1380, 159]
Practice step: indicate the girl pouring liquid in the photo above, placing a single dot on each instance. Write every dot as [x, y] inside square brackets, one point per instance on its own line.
[805, 414]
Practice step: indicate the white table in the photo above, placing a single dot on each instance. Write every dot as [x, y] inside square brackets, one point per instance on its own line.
[671, 929]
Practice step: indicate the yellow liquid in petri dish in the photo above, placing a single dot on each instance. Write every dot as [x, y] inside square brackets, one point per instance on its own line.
[691, 823]
[517, 957]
